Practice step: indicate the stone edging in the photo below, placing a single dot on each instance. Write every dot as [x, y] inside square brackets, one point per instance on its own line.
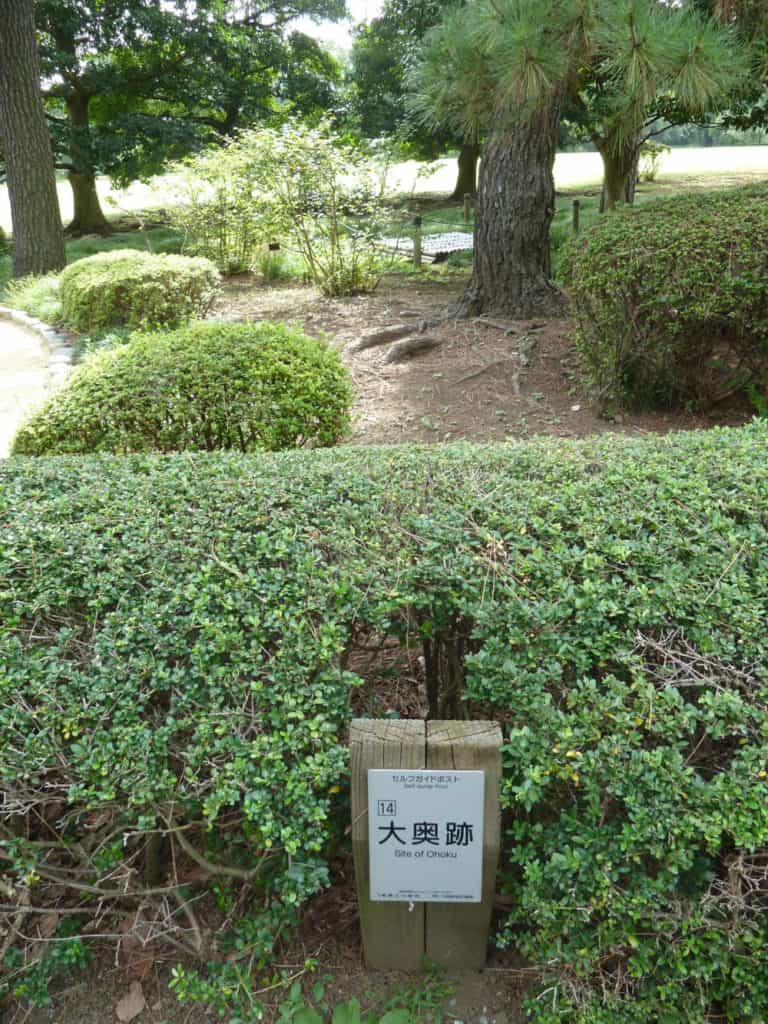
[59, 348]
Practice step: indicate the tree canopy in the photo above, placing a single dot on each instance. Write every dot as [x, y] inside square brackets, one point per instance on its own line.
[130, 85]
[381, 54]
[494, 62]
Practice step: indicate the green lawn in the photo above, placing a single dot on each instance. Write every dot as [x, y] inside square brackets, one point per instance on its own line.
[702, 168]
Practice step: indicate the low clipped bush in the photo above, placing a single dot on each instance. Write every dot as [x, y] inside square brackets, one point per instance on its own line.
[671, 298]
[176, 637]
[128, 288]
[4, 246]
[38, 296]
[206, 386]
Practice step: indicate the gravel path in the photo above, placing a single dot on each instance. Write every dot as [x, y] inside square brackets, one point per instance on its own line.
[24, 378]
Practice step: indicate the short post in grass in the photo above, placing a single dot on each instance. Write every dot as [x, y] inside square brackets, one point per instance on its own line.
[467, 207]
[576, 212]
[417, 241]
[425, 838]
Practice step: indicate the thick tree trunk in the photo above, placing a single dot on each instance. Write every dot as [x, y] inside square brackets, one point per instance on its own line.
[466, 180]
[38, 242]
[620, 164]
[513, 213]
[88, 217]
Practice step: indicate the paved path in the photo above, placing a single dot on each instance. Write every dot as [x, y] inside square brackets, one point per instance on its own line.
[24, 378]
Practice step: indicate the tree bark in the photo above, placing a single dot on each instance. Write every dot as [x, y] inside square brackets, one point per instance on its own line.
[466, 179]
[88, 217]
[514, 210]
[620, 164]
[38, 241]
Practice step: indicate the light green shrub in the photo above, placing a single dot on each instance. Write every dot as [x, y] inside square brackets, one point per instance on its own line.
[319, 196]
[224, 209]
[129, 288]
[38, 296]
[651, 155]
[330, 198]
[202, 387]
[671, 298]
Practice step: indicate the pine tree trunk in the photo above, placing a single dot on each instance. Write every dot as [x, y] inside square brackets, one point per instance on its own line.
[514, 210]
[88, 217]
[466, 180]
[38, 241]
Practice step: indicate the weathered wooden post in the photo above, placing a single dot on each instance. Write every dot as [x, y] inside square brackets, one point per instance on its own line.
[467, 207]
[457, 934]
[576, 212]
[393, 933]
[425, 837]
[417, 241]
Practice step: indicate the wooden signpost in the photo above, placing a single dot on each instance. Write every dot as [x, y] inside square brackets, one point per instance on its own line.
[425, 837]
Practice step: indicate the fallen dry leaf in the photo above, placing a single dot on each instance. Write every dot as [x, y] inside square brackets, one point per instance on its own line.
[132, 1003]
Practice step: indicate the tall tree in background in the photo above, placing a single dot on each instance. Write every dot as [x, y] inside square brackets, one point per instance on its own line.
[381, 52]
[38, 242]
[510, 64]
[131, 84]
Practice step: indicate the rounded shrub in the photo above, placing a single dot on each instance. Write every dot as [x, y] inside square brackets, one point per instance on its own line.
[3, 242]
[671, 299]
[203, 387]
[128, 288]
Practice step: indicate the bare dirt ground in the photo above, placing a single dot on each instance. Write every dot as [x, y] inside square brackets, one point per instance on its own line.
[484, 381]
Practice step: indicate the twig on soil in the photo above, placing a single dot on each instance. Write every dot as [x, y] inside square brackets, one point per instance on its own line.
[480, 372]
[506, 328]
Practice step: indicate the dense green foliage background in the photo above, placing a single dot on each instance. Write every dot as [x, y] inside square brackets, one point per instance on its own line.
[173, 650]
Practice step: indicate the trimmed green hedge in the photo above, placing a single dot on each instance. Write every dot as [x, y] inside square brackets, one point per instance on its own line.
[199, 388]
[671, 298]
[174, 636]
[129, 288]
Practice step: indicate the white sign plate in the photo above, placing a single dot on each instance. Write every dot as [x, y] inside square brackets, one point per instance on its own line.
[425, 830]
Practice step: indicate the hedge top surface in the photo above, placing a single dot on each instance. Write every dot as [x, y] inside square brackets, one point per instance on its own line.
[173, 633]
[202, 387]
[132, 288]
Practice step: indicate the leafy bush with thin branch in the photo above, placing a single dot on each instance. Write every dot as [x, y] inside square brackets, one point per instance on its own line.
[322, 197]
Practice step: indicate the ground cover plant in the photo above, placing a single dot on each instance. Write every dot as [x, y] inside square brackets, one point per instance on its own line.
[671, 299]
[128, 288]
[198, 388]
[175, 667]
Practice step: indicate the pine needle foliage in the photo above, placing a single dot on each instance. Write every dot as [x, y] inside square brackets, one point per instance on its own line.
[495, 61]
